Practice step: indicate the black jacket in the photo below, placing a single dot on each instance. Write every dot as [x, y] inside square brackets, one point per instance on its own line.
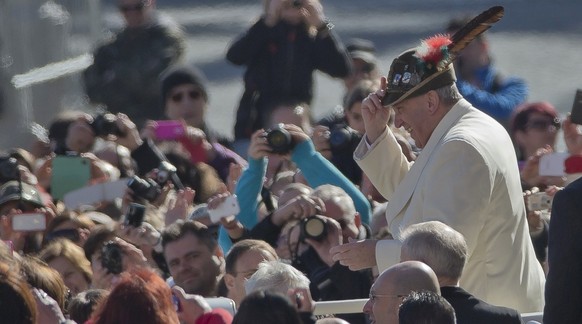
[471, 310]
[280, 61]
[564, 281]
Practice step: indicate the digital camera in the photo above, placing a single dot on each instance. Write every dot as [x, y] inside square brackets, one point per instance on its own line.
[112, 257]
[147, 189]
[312, 227]
[135, 215]
[279, 140]
[105, 124]
[343, 137]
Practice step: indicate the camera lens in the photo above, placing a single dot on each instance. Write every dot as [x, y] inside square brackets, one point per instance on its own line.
[313, 228]
[297, 3]
[279, 140]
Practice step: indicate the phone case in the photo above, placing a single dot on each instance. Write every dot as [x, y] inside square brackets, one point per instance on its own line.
[228, 208]
[69, 173]
[576, 114]
[169, 130]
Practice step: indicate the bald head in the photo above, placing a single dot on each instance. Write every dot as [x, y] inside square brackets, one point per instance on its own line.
[393, 285]
[410, 276]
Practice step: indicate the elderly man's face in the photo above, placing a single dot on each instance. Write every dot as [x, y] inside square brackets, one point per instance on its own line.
[413, 115]
[135, 12]
[382, 307]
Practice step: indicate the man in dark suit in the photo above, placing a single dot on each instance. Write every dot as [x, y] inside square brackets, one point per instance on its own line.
[445, 251]
[564, 281]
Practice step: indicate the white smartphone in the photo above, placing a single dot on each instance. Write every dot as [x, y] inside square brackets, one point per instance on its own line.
[228, 208]
[222, 302]
[539, 201]
[29, 222]
[553, 164]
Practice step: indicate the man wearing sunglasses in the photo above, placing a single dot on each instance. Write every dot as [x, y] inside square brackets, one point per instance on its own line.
[126, 69]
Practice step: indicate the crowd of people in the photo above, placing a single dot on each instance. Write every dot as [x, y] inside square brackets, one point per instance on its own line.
[423, 193]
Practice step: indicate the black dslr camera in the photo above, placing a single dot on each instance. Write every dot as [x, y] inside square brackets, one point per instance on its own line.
[343, 137]
[105, 124]
[147, 189]
[112, 257]
[279, 140]
[8, 169]
[312, 227]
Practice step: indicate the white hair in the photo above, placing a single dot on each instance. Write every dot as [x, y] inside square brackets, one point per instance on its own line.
[276, 276]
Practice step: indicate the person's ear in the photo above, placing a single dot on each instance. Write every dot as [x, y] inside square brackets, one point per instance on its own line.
[433, 101]
[229, 281]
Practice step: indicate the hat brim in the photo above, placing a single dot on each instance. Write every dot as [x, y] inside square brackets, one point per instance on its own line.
[435, 81]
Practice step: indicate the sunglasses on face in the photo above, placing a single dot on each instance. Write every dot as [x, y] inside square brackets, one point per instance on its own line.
[193, 94]
[134, 7]
[543, 124]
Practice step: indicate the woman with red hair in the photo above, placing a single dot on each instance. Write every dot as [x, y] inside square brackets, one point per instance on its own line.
[140, 297]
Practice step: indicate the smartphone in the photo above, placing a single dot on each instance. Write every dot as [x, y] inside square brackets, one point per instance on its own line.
[221, 302]
[135, 215]
[90, 195]
[576, 114]
[33, 222]
[69, 173]
[229, 208]
[169, 130]
[553, 164]
[539, 201]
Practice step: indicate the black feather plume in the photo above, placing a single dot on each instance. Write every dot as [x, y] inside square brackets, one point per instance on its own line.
[474, 28]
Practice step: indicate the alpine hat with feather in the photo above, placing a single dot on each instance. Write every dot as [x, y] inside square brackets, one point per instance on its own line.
[429, 66]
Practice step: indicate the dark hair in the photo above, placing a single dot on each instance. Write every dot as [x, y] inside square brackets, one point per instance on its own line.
[178, 75]
[266, 307]
[241, 247]
[181, 228]
[521, 114]
[359, 93]
[81, 306]
[425, 307]
[141, 296]
[18, 303]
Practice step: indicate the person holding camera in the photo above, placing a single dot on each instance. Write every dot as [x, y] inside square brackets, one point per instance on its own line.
[291, 142]
[281, 51]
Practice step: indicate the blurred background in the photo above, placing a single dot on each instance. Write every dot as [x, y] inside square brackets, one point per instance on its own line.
[44, 45]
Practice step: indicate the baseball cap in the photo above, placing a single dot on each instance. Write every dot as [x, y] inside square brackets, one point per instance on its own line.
[11, 191]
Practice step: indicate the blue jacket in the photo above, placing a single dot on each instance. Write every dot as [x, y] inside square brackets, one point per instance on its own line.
[498, 97]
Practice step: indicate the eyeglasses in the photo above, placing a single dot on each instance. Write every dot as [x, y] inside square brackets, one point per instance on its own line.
[193, 94]
[373, 297]
[544, 124]
[134, 7]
